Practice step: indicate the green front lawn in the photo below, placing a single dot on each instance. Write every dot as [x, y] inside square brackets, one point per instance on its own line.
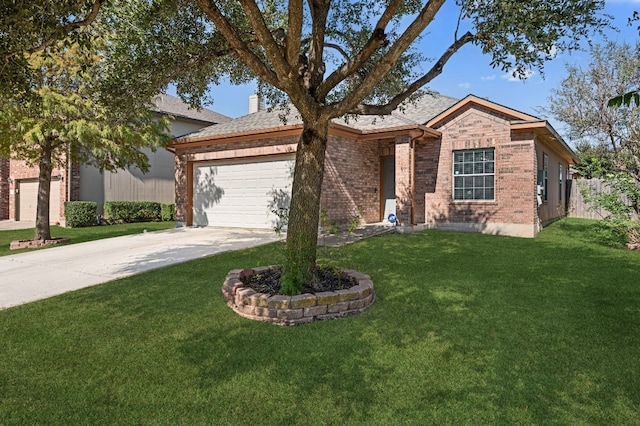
[466, 329]
[80, 235]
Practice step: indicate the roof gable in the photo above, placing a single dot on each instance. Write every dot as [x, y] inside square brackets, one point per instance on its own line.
[167, 104]
[474, 100]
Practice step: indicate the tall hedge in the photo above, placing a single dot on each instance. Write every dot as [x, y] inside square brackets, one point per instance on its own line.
[132, 211]
[80, 213]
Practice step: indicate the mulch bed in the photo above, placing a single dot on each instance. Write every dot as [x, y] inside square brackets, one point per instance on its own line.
[327, 279]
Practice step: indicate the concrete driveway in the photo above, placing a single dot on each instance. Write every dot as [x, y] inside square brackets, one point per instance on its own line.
[39, 274]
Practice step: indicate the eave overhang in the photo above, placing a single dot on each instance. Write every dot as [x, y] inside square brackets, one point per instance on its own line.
[415, 131]
[547, 134]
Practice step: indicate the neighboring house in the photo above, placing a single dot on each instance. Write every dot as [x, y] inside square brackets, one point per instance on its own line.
[467, 164]
[19, 181]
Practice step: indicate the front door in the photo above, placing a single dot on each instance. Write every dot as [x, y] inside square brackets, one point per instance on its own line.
[388, 187]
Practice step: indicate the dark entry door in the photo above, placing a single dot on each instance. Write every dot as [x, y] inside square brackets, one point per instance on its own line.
[388, 187]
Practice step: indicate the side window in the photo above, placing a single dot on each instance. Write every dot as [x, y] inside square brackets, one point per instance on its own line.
[473, 174]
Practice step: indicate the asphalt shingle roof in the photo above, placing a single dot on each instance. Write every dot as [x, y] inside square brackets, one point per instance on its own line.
[420, 112]
[171, 105]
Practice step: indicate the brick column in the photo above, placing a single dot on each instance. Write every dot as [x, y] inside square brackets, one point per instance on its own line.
[182, 192]
[403, 179]
[74, 175]
[4, 188]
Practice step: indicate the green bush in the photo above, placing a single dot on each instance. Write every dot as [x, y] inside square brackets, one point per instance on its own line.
[78, 214]
[167, 212]
[616, 233]
[132, 211]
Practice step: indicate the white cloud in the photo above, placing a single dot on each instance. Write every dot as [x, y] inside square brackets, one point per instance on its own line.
[464, 85]
[488, 77]
[513, 75]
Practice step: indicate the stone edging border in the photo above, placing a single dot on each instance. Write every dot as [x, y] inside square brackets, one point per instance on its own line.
[296, 310]
[20, 244]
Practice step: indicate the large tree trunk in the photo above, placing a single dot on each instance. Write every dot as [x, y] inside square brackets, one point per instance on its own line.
[43, 230]
[304, 211]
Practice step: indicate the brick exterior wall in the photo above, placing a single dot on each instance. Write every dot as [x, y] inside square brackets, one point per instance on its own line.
[4, 188]
[427, 155]
[514, 205]
[351, 184]
[20, 171]
[352, 181]
[75, 184]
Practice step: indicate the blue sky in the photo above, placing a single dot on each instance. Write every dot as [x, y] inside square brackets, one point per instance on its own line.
[469, 72]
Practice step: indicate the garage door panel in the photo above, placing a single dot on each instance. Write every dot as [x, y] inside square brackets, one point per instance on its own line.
[240, 194]
[28, 200]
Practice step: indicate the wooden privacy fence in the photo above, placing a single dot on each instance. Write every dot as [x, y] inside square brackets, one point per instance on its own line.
[579, 207]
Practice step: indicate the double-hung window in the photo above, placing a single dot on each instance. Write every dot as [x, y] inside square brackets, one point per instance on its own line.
[473, 174]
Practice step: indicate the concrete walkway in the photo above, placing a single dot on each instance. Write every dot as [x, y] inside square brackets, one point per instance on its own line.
[7, 225]
[39, 274]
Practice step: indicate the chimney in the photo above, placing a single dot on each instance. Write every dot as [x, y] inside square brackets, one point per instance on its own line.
[256, 103]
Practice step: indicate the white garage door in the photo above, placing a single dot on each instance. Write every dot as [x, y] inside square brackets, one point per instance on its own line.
[28, 200]
[241, 193]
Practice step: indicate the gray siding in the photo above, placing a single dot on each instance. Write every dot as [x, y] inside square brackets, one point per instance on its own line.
[158, 184]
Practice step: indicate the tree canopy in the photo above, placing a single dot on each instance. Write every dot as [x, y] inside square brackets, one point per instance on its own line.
[328, 58]
[608, 139]
[61, 120]
[32, 26]
[339, 56]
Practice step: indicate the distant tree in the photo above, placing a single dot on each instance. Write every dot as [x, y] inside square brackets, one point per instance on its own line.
[608, 139]
[632, 96]
[61, 119]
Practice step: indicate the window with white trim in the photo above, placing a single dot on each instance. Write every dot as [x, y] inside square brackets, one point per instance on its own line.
[474, 174]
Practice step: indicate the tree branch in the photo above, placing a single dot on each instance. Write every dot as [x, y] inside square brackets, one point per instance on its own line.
[271, 48]
[294, 32]
[337, 48]
[435, 70]
[315, 70]
[376, 40]
[388, 60]
[212, 11]
[95, 9]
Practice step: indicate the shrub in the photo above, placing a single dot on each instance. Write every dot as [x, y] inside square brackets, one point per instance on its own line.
[616, 233]
[132, 211]
[80, 213]
[167, 212]
[633, 236]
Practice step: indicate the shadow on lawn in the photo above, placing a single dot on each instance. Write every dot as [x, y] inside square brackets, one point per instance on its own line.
[465, 328]
[309, 365]
[528, 319]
